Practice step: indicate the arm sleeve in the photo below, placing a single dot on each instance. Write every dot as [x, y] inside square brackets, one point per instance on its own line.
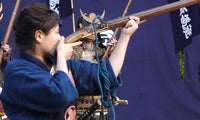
[37, 89]
[85, 75]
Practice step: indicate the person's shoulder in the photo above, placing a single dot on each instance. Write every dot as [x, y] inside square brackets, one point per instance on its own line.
[18, 63]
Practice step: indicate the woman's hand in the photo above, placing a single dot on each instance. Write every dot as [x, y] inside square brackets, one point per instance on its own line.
[131, 26]
[64, 53]
[118, 55]
[66, 50]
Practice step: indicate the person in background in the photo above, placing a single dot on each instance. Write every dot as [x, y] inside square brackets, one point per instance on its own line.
[86, 51]
[43, 86]
[5, 59]
[6, 55]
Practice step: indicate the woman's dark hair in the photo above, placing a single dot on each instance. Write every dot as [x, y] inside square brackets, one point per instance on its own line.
[32, 18]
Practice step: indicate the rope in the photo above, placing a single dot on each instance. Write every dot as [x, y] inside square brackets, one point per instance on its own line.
[104, 74]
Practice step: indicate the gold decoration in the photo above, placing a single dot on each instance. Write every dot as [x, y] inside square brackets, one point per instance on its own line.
[91, 16]
[1, 8]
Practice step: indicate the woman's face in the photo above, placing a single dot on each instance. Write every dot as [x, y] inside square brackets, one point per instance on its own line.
[51, 39]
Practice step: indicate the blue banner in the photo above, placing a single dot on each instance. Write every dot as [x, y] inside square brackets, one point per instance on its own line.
[185, 22]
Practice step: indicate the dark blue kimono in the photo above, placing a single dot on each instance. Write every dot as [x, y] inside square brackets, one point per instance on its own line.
[30, 92]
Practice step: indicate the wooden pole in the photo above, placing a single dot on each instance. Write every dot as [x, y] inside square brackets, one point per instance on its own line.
[107, 52]
[73, 16]
[6, 38]
[9, 29]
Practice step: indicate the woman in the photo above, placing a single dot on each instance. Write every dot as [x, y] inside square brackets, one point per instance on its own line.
[30, 92]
